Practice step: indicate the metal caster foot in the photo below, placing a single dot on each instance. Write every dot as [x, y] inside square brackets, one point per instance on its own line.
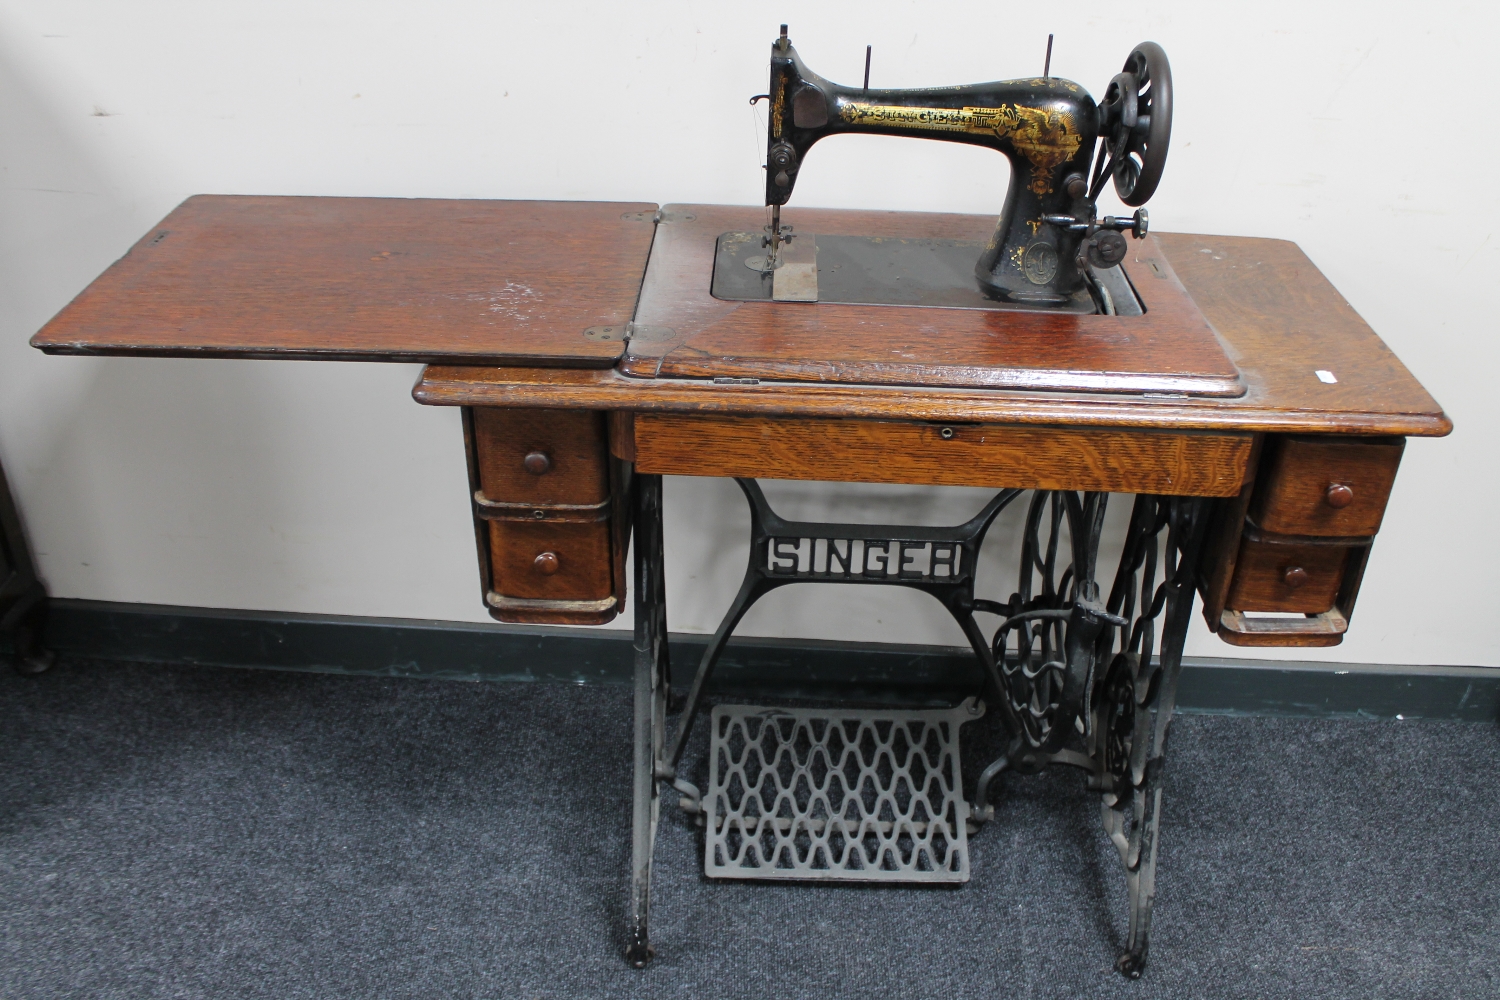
[33, 665]
[30, 657]
[1131, 964]
[639, 954]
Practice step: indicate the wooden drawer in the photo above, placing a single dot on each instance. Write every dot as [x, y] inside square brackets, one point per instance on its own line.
[550, 561]
[1272, 574]
[551, 515]
[542, 456]
[1325, 486]
[1283, 520]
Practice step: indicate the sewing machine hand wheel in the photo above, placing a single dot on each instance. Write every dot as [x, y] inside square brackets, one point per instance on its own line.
[1138, 122]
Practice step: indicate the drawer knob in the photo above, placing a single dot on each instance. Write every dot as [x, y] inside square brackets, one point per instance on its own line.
[546, 563]
[1338, 495]
[1294, 576]
[538, 463]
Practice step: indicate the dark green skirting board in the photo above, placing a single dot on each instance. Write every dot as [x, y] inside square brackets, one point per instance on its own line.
[397, 647]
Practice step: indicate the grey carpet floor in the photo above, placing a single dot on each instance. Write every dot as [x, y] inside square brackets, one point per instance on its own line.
[195, 832]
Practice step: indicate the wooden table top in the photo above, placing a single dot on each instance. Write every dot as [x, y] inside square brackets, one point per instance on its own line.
[1280, 320]
[471, 285]
[369, 279]
[693, 334]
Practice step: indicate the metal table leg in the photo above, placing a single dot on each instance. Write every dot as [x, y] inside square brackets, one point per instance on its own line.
[652, 687]
[23, 599]
[1136, 697]
[1074, 676]
[1081, 678]
[936, 561]
[939, 561]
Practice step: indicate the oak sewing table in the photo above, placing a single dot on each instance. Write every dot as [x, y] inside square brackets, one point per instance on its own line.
[1256, 418]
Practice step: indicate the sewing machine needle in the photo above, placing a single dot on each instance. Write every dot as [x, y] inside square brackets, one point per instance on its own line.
[867, 68]
[1046, 68]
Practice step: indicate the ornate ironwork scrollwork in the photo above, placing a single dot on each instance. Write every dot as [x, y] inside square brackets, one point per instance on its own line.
[1054, 616]
[1135, 696]
[1081, 674]
[1035, 672]
[1075, 678]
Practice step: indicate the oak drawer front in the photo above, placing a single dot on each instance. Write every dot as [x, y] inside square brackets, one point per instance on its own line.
[1325, 486]
[551, 561]
[1174, 463]
[551, 514]
[1302, 578]
[541, 456]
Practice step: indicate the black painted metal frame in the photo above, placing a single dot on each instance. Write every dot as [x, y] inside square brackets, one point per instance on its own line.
[23, 599]
[1076, 677]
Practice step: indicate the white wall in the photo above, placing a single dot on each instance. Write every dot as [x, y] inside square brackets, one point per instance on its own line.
[1363, 132]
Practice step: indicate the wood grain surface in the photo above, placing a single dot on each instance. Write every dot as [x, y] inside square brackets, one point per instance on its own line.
[1284, 322]
[1221, 543]
[691, 334]
[582, 564]
[1293, 497]
[489, 437]
[368, 279]
[1260, 577]
[574, 442]
[1278, 316]
[1326, 629]
[1179, 464]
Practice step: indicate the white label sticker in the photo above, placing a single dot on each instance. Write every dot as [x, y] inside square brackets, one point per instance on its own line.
[1325, 376]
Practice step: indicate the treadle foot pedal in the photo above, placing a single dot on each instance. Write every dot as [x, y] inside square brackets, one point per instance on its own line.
[861, 795]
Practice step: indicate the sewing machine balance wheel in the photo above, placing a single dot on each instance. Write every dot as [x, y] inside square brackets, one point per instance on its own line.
[1138, 120]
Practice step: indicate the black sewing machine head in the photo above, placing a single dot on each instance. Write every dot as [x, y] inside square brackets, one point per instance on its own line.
[1049, 237]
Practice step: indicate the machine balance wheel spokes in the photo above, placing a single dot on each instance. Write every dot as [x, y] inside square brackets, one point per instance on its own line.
[1137, 112]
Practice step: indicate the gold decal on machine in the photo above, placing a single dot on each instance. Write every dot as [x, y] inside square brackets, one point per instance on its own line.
[778, 101]
[1046, 138]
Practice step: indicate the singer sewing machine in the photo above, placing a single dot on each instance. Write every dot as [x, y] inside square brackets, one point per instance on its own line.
[1049, 242]
[1020, 304]
[595, 348]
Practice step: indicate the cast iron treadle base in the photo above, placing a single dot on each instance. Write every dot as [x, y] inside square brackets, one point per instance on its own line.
[837, 795]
